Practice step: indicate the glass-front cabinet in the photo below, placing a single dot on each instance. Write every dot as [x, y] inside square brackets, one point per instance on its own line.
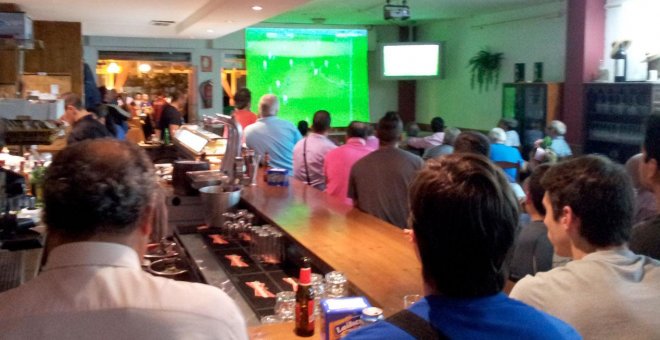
[615, 117]
[533, 105]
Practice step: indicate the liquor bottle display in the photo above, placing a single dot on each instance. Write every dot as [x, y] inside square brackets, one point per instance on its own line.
[305, 302]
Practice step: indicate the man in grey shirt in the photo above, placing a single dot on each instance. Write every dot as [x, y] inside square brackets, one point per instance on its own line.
[532, 251]
[379, 182]
[607, 291]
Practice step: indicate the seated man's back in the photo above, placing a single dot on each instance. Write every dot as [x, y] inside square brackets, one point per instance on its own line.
[100, 199]
[379, 182]
[491, 317]
[273, 135]
[98, 290]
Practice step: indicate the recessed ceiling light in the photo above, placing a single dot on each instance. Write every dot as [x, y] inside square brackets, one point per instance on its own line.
[257, 8]
[209, 31]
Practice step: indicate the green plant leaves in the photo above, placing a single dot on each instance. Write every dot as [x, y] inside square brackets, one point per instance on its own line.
[485, 69]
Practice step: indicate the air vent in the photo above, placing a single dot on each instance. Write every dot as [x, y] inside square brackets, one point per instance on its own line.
[161, 22]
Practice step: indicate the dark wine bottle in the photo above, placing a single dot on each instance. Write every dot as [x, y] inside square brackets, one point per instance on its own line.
[305, 302]
[620, 64]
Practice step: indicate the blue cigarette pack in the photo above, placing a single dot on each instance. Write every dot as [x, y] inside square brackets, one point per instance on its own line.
[340, 316]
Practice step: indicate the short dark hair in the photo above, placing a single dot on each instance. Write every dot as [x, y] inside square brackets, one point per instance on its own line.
[652, 138]
[321, 121]
[242, 98]
[463, 204]
[598, 191]
[437, 124]
[535, 189]
[98, 186]
[357, 129]
[389, 128]
[303, 127]
[73, 99]
[472, 142]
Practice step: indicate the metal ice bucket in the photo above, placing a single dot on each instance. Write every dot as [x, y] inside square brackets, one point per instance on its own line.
[216, 201]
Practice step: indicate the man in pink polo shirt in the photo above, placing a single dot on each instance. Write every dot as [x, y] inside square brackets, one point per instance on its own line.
[338, 162]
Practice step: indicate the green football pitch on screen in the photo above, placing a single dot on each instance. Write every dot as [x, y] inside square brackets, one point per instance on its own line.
[310, 70]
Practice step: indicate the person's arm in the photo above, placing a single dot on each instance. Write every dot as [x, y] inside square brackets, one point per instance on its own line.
[352, 190]
[416, 142]
[173, 128]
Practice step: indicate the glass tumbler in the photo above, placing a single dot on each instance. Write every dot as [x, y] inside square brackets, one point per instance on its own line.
[318, 285]
[285, 305]
[335, 283]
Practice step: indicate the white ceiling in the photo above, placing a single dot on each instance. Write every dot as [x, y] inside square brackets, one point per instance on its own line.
[207, 19]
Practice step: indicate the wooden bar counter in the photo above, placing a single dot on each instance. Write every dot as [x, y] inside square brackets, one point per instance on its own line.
[377, 258]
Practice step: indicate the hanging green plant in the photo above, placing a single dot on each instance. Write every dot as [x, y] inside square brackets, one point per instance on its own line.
[485, 69]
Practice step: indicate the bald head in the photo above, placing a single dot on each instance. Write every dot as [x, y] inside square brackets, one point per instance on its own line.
[357, 129]
[268, 105]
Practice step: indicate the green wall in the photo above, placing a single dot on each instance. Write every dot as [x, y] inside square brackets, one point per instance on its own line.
[528, 35]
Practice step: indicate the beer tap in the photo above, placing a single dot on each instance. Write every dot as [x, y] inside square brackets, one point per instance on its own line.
[234, 138]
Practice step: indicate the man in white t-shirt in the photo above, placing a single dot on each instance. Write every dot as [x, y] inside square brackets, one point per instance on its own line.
[607, 292]
[99, 202]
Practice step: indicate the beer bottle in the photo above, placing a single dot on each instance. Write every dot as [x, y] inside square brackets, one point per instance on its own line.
[305, 302]
[166, 136]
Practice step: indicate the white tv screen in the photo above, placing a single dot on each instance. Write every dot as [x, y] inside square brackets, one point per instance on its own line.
[411, 60]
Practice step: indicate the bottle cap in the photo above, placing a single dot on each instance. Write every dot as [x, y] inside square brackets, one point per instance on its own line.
[305, 276]
[305, 272]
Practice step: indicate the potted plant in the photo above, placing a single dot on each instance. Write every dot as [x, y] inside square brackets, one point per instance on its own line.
[485, 68]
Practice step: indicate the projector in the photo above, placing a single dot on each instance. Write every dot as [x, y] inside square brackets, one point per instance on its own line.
[396, 12]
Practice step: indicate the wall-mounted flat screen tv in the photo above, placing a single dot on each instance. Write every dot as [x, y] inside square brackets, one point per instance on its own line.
[416, 60]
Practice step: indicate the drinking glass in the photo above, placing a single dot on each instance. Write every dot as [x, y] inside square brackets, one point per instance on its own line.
[319, 291]
[335, 284]
[285, 305]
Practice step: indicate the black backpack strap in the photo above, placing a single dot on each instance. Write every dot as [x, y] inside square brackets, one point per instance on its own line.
[416, 326]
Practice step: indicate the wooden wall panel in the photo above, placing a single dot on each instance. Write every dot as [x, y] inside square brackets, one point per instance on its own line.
[8, 67]
[62, 52]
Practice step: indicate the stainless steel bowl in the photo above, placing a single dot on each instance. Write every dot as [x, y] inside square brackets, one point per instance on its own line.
[169, 267]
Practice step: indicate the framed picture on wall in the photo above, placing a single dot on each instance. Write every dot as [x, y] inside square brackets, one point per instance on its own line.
[207, 63]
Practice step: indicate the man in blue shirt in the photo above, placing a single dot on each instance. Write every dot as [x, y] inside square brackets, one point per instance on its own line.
[273, 135]
[464, 215]
[499, 152]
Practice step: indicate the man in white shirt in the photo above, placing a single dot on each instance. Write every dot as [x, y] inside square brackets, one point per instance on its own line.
[309, 153]
[607, 291]
[438, 136]
[99, 204]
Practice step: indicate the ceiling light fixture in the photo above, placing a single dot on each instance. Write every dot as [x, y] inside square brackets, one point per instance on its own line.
[257, 8]
[113, 68]
[144, 68]
[161, 22]
[209, 31]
